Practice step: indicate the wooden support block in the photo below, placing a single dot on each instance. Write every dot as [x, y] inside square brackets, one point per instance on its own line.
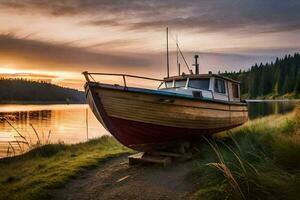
[147, 158]
[181, 156]
[135, 159]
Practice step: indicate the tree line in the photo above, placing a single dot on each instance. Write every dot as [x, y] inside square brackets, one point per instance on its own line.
[22, 90]
[274, 79]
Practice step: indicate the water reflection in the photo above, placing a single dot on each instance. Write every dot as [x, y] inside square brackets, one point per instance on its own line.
[66, 123]
[263, 108]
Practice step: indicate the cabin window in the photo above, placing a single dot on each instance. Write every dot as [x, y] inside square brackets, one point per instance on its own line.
[202, 84]
[180, 83]
[220, 86]
[169, 84]
[235, 91]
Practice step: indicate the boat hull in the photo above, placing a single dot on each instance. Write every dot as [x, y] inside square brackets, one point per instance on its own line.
[141, 119]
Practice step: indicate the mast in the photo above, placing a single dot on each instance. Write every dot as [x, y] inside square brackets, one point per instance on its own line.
[178, 65]
[168, 67]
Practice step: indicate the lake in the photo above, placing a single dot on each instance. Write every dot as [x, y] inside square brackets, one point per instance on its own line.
[76, 123]
[261, 108]
[66, 123]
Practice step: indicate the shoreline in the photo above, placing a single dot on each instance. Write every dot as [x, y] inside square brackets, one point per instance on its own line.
[260, 158]
[38, 102]
[6, 108]
[272, 100]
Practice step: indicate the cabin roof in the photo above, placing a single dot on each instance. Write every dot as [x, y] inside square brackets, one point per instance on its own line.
[197, 76]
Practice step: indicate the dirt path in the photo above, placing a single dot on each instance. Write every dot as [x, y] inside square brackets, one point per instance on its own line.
[116, 180]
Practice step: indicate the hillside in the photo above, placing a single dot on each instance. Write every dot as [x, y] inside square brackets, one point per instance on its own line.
[271, 80]
[25, 91]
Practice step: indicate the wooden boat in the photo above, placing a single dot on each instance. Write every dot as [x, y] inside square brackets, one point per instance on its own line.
[182, 108]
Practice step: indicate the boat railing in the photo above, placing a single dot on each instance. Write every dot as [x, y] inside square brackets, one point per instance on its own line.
[89, 77]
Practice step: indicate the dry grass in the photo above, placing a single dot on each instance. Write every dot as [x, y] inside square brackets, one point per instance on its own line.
[259, 160]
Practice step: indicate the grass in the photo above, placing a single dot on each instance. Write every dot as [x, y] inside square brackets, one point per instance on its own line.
[30, 176]
[260, 160]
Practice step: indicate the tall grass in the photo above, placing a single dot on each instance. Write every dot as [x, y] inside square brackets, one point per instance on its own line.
[30, 176]
[260, 160]
[23, 144]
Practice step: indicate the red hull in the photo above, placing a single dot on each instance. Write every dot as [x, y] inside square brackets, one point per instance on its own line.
[137, 135]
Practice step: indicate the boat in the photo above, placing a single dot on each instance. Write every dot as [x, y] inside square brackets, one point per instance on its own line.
[182, 108]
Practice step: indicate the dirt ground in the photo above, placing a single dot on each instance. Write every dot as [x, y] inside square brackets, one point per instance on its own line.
[116, 180]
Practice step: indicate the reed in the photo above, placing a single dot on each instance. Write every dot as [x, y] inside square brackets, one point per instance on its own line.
[29, 145]
[37, 135]
[14, 128]
[39, 141]
[48, 138]
[257, 161]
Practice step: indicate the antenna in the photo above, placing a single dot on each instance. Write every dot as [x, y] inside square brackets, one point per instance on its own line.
[179, 52]
[187, 66]
[178, 65]
[168, 67]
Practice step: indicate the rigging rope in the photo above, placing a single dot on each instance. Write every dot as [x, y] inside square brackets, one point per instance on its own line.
[186, 64]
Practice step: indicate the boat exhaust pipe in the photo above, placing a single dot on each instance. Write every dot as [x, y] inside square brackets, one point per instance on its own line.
[196, 64]
[86, 76]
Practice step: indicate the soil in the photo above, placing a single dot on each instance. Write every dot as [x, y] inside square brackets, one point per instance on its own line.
[115, 179]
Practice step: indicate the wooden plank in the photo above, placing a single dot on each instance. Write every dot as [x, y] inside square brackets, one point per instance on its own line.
[146, 158]
[155, 98]
[181, 156]
[168, 114]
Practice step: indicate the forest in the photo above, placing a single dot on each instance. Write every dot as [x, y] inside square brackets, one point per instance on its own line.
[277, 79]
[22, 90]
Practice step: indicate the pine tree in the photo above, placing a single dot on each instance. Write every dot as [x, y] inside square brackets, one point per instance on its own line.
[278, 78]
[297, 85]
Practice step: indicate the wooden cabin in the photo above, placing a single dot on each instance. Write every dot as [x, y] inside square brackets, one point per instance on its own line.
[204, 86]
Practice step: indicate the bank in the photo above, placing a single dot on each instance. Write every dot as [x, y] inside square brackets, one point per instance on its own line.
[259, 160]
[32, 175]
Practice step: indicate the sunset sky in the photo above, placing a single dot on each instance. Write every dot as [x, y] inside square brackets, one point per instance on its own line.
[58, 39]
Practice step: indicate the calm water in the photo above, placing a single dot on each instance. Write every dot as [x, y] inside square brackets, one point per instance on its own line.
[263, 108]
[67, 123]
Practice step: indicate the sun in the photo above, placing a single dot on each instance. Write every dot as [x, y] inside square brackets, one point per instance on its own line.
[8, 69]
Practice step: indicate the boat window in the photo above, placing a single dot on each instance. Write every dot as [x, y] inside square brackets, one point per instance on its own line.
[180, 83]
[235, 90]
[169, 84]
[220, 86]
[202, 84]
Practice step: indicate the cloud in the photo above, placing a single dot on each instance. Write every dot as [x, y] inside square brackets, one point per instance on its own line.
[37, 55]
[45, 53]
[246, 16]
[56, 8]
[115, 44]
[102, 22]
